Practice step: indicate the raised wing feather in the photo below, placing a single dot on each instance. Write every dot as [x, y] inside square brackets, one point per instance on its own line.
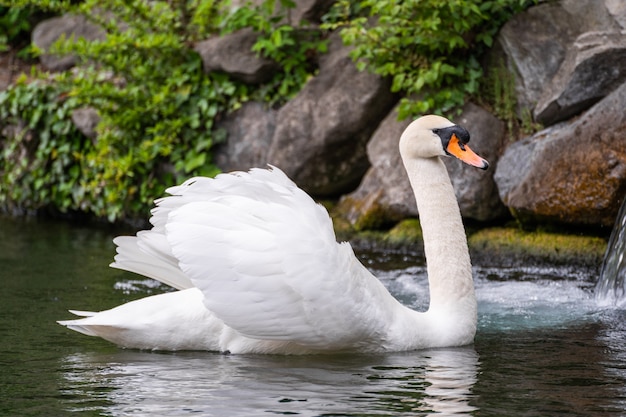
[149, 254]
[265, 257]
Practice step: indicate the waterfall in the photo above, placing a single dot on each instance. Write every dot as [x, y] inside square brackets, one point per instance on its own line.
[611, 287]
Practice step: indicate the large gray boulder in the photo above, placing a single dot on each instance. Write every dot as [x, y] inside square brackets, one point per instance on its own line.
[321, 133]
[385, 195]
[50, 30]
[233, 55]
[534, 43]
[551, 40]
[573, 172]
[249, 133]
[593, 67]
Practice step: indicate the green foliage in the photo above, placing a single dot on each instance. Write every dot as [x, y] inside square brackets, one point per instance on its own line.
[293, 48]
[429, 48]
[503, 92]
[157, 107]
[497, 92]
[40, 162]
[15, 26]
[18, 17]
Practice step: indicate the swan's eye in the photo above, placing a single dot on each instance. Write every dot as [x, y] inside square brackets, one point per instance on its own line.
[455, 137]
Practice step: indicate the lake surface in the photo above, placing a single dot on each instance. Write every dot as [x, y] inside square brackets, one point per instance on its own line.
[543, 347]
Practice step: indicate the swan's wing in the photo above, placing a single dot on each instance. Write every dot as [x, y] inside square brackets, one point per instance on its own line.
[265, 257]
[149, 254]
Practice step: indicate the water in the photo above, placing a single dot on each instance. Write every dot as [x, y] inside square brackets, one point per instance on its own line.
[543, 348]
[611, 287]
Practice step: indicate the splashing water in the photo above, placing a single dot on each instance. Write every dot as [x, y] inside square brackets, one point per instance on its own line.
[611, 287]
[510, 299]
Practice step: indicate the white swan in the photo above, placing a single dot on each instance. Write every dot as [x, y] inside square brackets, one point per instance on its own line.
[258, 268]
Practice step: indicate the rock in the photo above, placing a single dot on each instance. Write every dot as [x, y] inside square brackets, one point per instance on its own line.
[536, 41]
[593, 67]
[86, 119]
[309, 10]
[50, 30]
[233, 55]
[11, 67]
[321, 133]
[304, 10]
[249, 132]
[617, 10]
[595, 15]
[573, 172]
[24, 140]
[385, 194]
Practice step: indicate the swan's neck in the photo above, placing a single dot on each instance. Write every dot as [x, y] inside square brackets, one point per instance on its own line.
[445, 244]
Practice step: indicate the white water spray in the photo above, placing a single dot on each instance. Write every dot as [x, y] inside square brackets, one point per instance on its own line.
[611, 287]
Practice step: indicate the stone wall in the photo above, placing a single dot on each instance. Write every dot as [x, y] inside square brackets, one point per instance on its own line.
[338, 137]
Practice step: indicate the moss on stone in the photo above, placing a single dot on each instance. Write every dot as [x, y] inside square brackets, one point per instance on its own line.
[519, 245]
[407, 231]
[506, 245]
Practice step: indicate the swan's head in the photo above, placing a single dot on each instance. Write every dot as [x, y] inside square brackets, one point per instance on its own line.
[431, 136]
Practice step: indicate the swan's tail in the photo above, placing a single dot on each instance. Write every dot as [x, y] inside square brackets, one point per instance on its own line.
[86, 330]
[172, 321]
[75, 324]
[82, 325]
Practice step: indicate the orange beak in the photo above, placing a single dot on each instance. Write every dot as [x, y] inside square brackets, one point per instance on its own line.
[465, 154]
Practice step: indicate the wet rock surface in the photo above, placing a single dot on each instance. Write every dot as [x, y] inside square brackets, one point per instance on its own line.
[573, 172]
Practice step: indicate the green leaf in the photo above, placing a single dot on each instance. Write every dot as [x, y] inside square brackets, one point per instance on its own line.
[194, 161]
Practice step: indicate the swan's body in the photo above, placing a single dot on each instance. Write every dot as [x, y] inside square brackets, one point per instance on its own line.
[259, 271]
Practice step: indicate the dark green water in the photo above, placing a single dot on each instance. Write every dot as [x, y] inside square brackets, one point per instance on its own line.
[543, 348]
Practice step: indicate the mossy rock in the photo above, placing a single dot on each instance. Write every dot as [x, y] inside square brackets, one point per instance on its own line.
[495, 246]
[408, 232]
[404, 237]
[520, 246]
[362, 214]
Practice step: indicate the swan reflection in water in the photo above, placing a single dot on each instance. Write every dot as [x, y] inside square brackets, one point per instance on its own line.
[436, 381]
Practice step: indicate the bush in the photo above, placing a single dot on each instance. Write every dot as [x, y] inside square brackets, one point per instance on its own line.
[14, 25]
[40, 163]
